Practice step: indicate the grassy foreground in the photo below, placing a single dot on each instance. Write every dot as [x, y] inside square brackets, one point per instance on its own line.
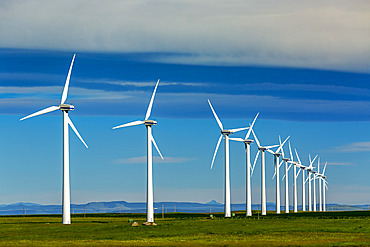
[179, 229]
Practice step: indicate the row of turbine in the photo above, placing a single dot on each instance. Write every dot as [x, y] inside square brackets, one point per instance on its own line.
[279, 152]
[65, 108]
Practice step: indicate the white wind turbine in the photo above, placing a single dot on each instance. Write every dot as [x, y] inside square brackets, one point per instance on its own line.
[262, 149]
[66, 198]
[225, 133]
[148, 123]
[309, 171]
[324, 185]
[303, 181]
[247, 143]
[277, 168]
[318, 175]
[314, 187]
[286, 177]
[295, 176]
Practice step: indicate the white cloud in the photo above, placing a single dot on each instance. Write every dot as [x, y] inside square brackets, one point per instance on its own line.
[314, 34]
[340, 164]
[354, 147]
[156, 159]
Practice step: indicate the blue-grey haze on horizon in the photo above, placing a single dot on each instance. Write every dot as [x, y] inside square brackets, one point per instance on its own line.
[303, 66]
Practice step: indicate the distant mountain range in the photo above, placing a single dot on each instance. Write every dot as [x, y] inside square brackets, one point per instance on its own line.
[140, 207]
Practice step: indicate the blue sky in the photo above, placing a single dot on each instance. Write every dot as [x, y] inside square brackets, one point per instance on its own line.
[303, 66]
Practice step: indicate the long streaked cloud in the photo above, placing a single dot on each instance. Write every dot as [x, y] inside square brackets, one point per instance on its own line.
[340, 164]
[17, 100]
[354, 147]
[156, 159]
[301, 34]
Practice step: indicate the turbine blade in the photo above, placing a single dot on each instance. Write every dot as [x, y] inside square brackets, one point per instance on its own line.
[238, 139]
[282, 149]
[281, 146]
[75, 130]
[256, 139]
[65, 90]
[323, 171]
[274, 175]
[283, 178]
[311, 163]
[281, 162]
[214, 155]
[251, 126]
[290, 166]
[216, 117]
[46, 110]
[299, 172]
[290, 151]
[138, 122]
[318, 165]
[147, 115]
[299, 160]
[268, 150]
[272, 146]
[156, 147]
[255, 160]
[239, 129]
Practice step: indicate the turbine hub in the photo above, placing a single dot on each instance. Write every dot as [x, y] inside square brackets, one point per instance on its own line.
[66, 107]
[150, 122]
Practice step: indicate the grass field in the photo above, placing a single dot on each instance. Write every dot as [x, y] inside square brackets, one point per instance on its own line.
[180, 229]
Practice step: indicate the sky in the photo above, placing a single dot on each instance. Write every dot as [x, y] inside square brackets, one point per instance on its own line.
[304, 67]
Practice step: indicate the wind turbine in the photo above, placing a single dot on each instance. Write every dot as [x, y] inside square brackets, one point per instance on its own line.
[286, 161]
[309, 171]
[262, 149]
[314, 187]
[150, 141]
[324, 185]
[247, 143]
[66, 198]
[277, 166]
[319, 176]
[225, 133]
[295, 175]
[303, 181]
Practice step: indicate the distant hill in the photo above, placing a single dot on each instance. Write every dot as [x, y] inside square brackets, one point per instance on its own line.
[140, 207]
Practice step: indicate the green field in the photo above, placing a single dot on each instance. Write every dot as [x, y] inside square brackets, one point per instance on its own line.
[180, 229]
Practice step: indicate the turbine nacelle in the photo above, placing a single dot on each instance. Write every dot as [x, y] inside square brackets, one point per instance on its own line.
[286, 159]
[263, 149]
[277, 154]
[149, 122]
[227, 132]
[248, 141]
[66, 107]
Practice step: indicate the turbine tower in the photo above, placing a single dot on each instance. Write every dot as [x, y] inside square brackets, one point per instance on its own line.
[277, 166]
[247, 143]
[225, 133]
[262, 149]
[150, 141]
[65, 108]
